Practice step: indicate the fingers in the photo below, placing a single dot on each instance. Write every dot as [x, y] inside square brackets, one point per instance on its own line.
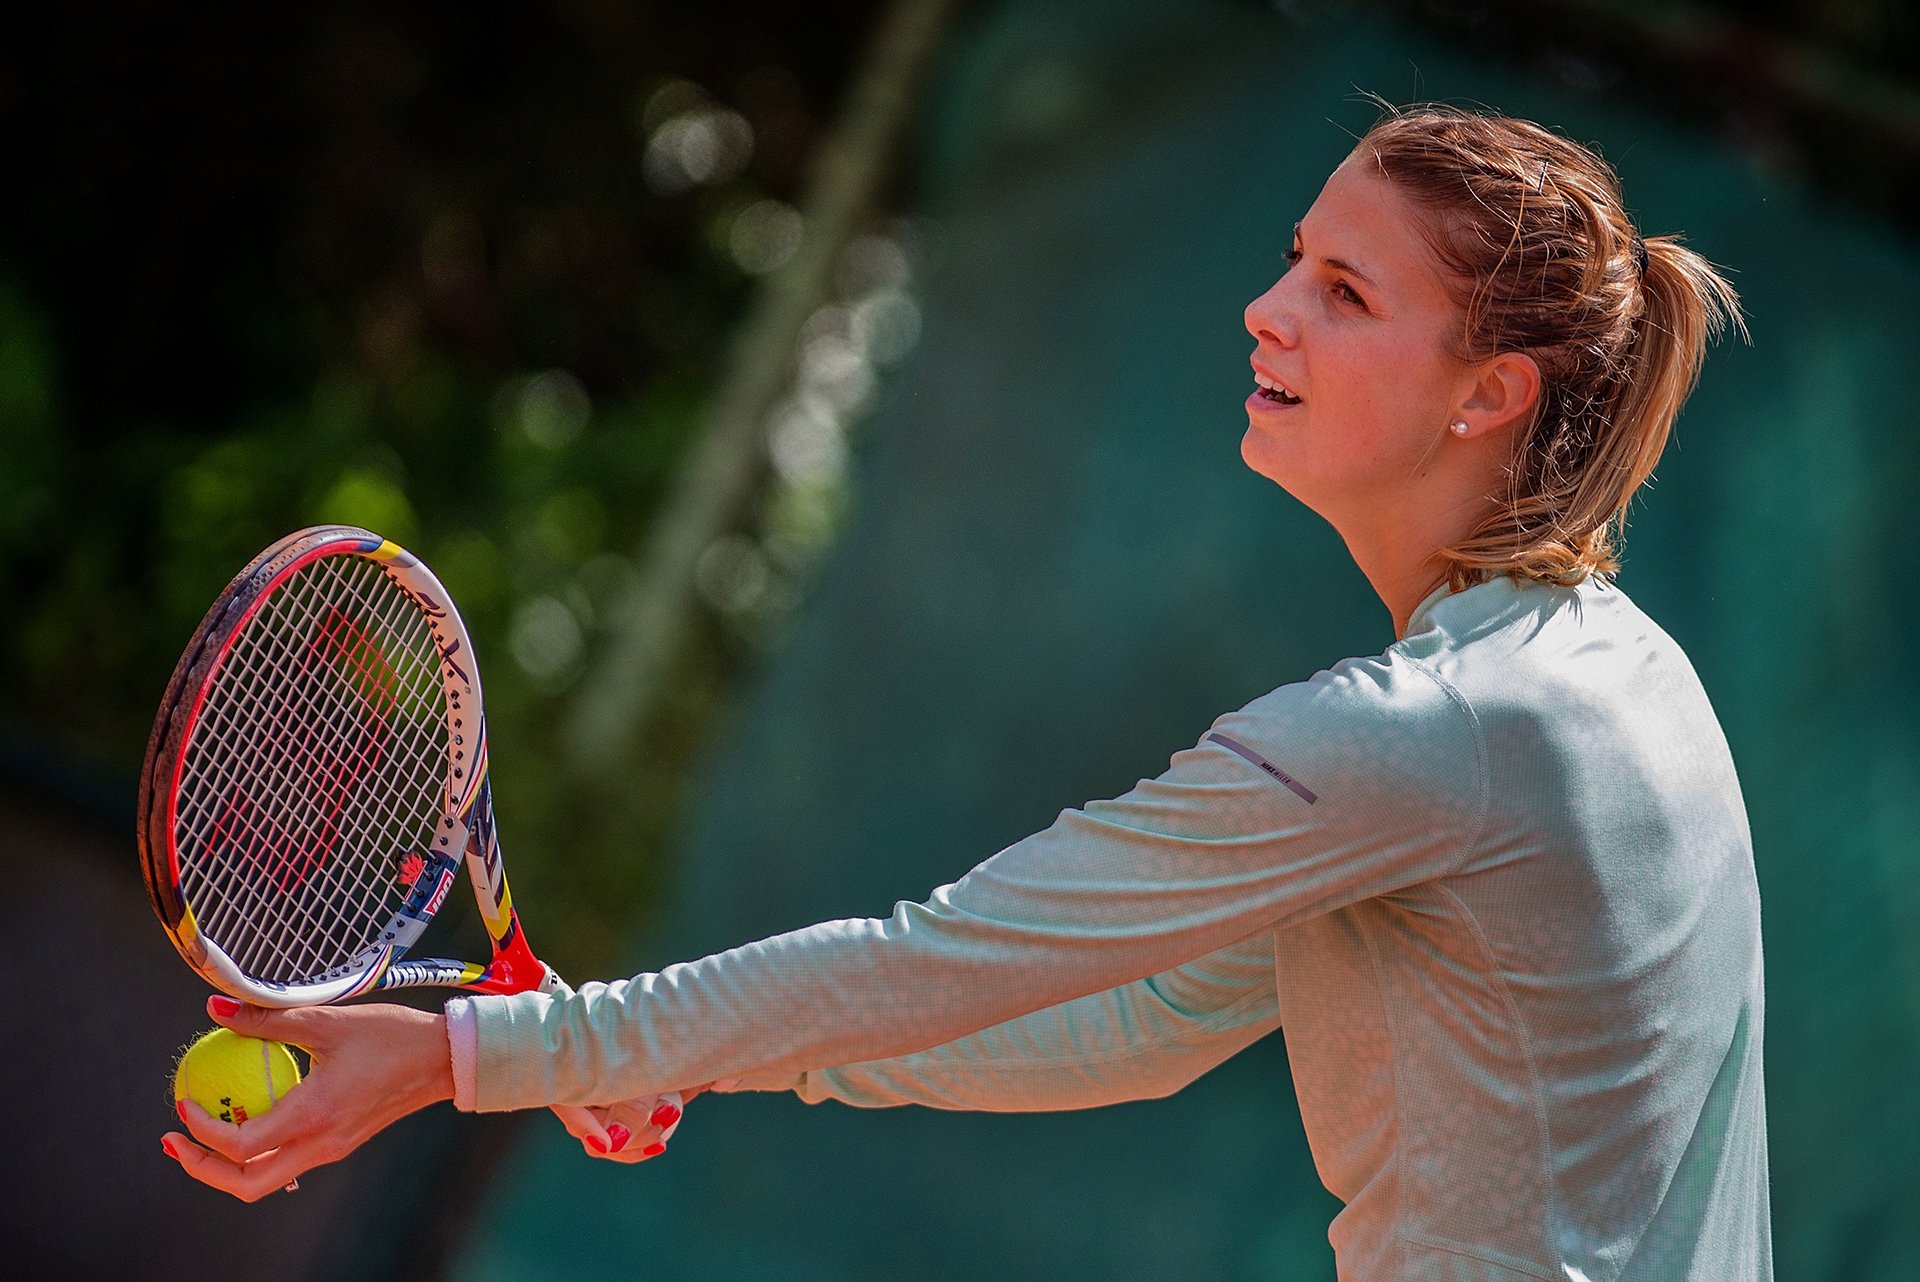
[304, 1027]
[233, 1140]
[667, 1114]
[635, 1129]
[585, 1125]
[241, 1142]
[248, 1181]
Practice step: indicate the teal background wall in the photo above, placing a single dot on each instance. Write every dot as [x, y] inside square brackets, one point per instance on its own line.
[1060, 572]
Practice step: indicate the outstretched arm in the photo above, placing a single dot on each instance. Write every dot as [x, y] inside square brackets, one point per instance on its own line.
[1367, 779]
[1139, 1041]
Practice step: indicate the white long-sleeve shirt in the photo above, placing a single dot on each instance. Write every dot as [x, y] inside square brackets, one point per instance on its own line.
[1496, 884]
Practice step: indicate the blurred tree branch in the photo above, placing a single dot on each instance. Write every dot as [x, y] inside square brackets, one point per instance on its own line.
[618, 695]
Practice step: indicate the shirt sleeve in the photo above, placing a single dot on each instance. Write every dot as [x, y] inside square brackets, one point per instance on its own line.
[1365, 779]
[1142, 1040]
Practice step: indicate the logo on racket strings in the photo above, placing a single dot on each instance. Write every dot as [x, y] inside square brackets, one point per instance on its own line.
[330, 733]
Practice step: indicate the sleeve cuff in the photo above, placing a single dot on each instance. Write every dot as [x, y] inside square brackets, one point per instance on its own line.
[463, 1045]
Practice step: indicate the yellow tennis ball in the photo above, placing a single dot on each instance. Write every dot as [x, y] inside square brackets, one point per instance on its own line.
[235, 1077]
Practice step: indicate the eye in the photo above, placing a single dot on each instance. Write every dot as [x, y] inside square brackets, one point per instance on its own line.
[1345, 292]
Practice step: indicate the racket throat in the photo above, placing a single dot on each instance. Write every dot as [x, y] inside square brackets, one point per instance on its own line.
[514, 968]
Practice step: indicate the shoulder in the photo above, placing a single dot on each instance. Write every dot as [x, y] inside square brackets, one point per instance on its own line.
[1365, 701]
[1381, 726]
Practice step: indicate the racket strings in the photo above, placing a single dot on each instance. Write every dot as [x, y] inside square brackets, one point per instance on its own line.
[317, 766]
[330, 767]
[266, 778]
[280, 820]
[333, 764]
[268, 851]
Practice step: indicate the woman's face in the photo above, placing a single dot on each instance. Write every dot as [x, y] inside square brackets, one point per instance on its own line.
[1357, 331]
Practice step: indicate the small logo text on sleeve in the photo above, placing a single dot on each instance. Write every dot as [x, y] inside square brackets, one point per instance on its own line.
[1235, 746]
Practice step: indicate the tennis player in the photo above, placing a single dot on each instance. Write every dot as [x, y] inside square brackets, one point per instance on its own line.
[1495, 882]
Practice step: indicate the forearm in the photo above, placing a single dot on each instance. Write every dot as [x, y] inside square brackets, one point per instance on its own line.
[990, 1071]
[828, 994]
[838, 993]
[1142, 1040]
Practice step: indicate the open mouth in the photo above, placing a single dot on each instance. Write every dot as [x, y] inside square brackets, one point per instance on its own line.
[1275, 392]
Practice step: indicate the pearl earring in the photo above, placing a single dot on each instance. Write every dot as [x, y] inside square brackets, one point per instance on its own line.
[1460, 427]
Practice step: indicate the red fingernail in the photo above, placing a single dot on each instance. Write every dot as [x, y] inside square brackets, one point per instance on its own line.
[180, 1107]
[597, 1144]
[223, 1007]
[167, 1144]
[664, 1116]
[653, 1150]
[618, 1135]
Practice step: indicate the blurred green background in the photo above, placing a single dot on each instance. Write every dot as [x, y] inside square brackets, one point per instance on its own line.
[469, 277]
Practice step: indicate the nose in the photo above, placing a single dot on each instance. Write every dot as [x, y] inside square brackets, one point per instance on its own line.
[1272, 317]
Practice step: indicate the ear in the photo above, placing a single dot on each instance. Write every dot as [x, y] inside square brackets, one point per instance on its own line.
[1504, 390]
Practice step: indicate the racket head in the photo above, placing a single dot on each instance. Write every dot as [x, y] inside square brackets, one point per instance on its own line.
[315, 771]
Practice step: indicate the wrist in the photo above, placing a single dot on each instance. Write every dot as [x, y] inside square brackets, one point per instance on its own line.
[436, 1061]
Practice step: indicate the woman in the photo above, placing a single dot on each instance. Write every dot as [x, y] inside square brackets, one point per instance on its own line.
[1495, 882]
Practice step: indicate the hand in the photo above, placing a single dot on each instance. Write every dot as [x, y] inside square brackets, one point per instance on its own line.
[630, 1131]
[372, 1065]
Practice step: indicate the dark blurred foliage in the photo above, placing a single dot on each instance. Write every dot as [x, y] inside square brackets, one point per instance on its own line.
[458, 273]
[1879, 35]
[1875, 35]
[1824, 92]
[261, 264]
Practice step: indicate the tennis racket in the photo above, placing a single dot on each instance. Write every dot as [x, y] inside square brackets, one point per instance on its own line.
[315, 778]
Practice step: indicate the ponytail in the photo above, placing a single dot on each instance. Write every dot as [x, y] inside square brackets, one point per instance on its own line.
[1531, 229]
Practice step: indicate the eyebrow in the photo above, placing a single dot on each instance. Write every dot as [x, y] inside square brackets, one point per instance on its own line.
[1340, 264]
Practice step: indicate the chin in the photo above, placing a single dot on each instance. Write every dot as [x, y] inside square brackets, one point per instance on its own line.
[1263, 457]
[1256, 451]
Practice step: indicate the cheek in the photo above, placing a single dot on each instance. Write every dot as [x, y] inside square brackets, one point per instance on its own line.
[1395, 392]
[1361, 405]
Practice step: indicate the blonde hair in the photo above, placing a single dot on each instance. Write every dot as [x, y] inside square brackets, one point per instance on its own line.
[1531, 228]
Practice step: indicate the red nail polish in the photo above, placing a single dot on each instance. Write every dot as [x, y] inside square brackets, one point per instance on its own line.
[617, 1136]
[223, 1007]
[597, 1144]
[167, 1144]
[653, 1150]
[664, 1116]
[180, 1107]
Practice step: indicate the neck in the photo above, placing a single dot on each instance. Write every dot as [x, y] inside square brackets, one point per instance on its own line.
[1401, 560]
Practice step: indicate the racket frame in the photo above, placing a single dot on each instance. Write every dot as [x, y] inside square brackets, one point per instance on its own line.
[465, 828]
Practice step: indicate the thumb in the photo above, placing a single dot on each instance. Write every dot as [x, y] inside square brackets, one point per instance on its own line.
[299, 1026]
